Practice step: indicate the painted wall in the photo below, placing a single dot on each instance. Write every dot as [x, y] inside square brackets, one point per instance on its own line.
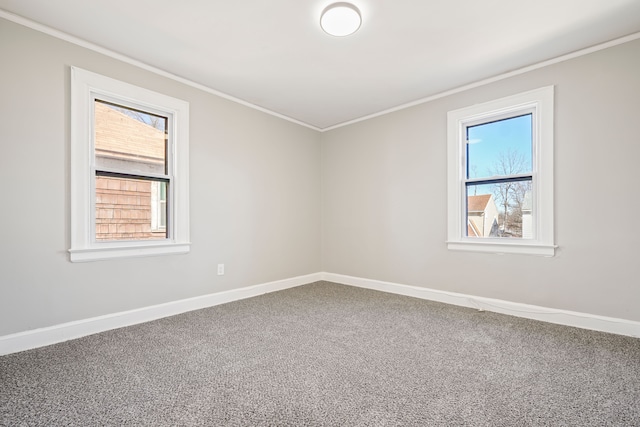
[385, 194]
[255, 195]
[273, 200]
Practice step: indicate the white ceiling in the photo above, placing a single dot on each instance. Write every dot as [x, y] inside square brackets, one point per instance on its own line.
[273, 54]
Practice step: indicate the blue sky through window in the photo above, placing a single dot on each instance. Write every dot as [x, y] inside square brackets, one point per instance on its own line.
[500, 147]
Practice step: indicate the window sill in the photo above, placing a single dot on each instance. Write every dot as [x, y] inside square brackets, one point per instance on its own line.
[127, 251]
[501, 248]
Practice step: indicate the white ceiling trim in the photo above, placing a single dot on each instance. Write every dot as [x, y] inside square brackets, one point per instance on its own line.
[489, 80]
[115, 55]
[99, 49]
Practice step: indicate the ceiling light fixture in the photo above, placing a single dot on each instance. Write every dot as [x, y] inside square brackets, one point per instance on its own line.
[340, 19]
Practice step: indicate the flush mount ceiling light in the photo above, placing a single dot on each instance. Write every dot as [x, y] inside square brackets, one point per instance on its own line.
[340, 19]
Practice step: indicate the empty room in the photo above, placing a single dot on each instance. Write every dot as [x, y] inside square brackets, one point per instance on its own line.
[310, 213]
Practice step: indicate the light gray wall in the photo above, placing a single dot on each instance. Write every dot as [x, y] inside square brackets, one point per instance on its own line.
[384, 194]
[255, 195]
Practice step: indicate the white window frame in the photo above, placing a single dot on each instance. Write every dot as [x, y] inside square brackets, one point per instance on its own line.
[85, 87]
[540, 102]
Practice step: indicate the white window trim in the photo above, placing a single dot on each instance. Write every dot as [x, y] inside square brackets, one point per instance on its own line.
[541, 101]
[84, 86]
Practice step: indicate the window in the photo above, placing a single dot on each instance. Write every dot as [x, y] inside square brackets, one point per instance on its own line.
[500, 175]
[129, 170]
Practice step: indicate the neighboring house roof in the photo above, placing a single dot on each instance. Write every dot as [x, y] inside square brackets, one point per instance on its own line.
[118, 135]
[478, 203]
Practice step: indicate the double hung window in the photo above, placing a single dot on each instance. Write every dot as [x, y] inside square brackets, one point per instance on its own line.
[501, 175]
[129, 175]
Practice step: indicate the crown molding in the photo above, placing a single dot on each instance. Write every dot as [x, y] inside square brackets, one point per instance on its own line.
[131, 61]
[115, 55]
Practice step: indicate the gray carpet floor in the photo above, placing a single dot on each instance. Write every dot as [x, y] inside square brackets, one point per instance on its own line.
[325, 354]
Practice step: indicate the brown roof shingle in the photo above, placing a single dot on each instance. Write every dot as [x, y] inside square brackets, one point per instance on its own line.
[478, 203]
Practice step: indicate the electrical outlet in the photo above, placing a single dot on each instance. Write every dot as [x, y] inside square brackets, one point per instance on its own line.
[220, 269]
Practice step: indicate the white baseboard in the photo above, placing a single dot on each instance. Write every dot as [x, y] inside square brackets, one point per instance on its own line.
[561, 317]
[58, 333]
[67, 331]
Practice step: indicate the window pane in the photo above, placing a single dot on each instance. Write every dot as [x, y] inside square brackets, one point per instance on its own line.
[500, 148]
[124, 209]
[129, 140]
[500, 210]
[159, 205]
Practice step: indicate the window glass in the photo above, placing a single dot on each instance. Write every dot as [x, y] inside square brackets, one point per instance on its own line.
[500, 210]
[158, 206]
[131, 166]
[500, 148]
[129, 140]
[499, 165]
[125, 208]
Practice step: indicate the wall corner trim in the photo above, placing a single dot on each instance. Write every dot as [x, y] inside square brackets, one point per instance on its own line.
[550, 315]
[41, 337]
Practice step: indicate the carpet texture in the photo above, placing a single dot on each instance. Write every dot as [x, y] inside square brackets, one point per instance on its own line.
[325, 354]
